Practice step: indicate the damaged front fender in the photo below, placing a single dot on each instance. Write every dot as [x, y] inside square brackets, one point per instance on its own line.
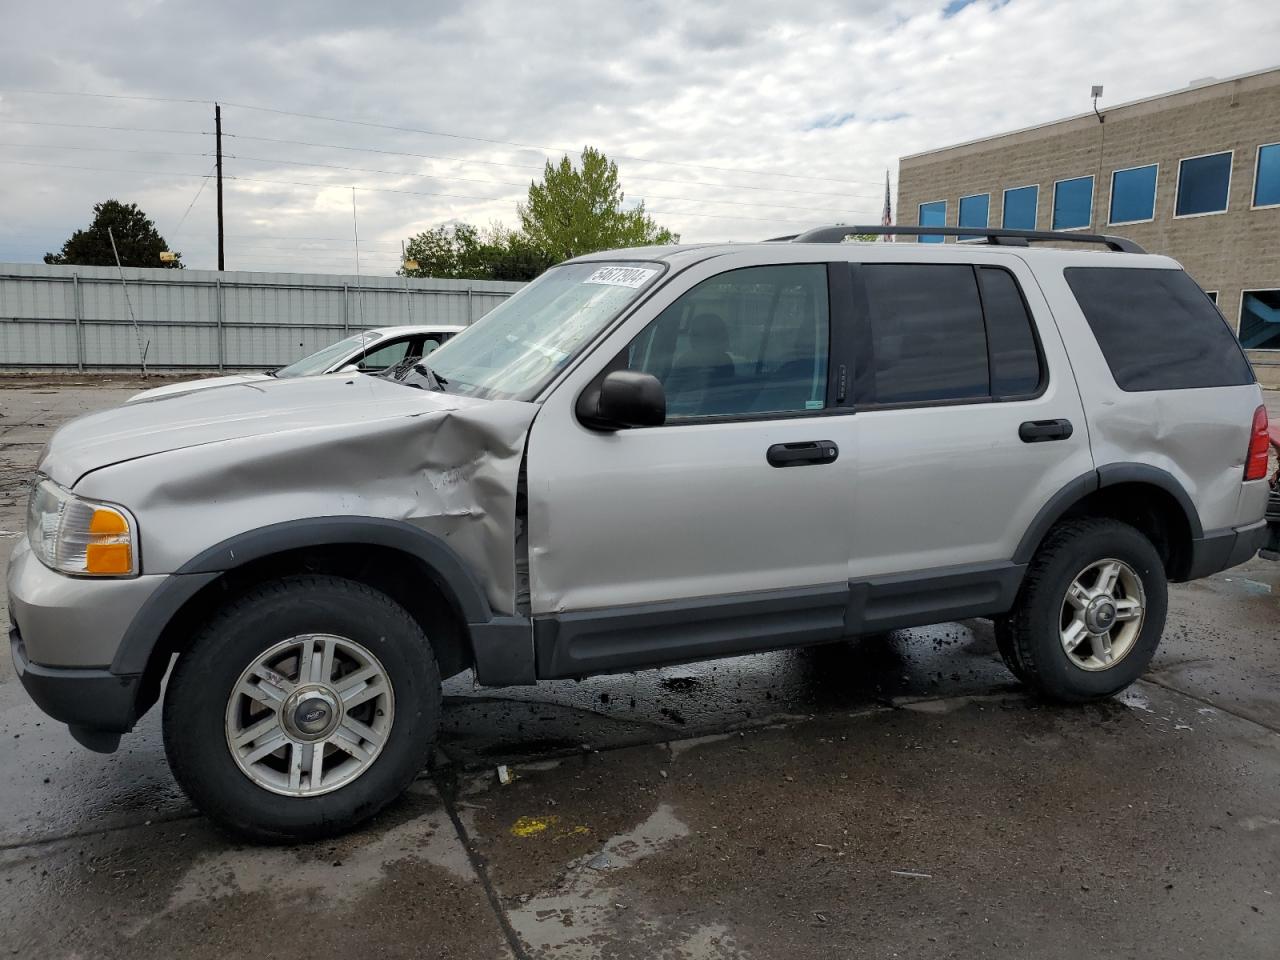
[443, 465]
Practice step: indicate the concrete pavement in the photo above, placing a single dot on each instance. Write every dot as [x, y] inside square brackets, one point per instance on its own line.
[890, 797]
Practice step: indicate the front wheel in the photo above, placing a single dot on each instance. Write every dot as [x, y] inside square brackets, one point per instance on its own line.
[303, 708]
[1090, 611]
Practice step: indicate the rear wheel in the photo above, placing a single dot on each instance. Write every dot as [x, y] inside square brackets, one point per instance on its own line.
[1090, 612]
[303, 708]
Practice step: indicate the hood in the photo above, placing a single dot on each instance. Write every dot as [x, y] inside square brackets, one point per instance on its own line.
[237, 411]
[170, 389]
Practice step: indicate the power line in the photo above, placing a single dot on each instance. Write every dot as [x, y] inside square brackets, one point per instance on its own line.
[263, 236]
[108, 96]
[66, 146]
[72, 166]
[199, 190]
[441, 133]
[99, 126]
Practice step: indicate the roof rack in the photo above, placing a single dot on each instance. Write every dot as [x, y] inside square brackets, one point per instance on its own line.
[1009, 238]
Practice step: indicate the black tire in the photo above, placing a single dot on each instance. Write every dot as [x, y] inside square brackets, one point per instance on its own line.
[196, 701]
[1030, 640]
[1008, 649]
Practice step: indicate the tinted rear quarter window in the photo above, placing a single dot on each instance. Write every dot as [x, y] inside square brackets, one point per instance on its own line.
[1157, 329]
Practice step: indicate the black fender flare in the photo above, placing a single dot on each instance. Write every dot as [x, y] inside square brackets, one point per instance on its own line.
[134, 652]
[1113, 473]
[1105, 476]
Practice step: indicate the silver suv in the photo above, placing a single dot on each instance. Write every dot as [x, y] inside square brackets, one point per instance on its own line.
[645, 457]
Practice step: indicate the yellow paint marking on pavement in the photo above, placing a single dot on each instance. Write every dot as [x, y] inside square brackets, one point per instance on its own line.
[529, 826]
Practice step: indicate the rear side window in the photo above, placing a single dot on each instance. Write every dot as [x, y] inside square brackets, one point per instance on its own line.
[939, 333]
[1157, 329]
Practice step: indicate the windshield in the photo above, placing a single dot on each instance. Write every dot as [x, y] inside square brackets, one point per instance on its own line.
[322, 360]
[516, 348]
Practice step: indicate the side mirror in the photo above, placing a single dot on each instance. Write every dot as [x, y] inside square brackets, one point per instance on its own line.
[624, 398]
[350, 368]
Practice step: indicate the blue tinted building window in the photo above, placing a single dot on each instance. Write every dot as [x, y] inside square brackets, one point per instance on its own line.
[1202, 184]
[1073, 203]
[1133, 194]
[1020, 208]
[1266, 178]
[933, 215]
[1260, 320]
[974, 210]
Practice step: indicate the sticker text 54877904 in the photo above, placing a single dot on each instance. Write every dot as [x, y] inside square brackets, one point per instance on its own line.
[622, 276]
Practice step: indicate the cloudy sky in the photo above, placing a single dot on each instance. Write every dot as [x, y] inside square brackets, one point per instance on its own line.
[730, 120]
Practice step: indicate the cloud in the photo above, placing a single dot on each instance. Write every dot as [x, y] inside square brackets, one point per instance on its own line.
[832, 120]
[824, 96]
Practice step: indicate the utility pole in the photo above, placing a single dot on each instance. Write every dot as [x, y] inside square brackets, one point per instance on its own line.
[217, 135]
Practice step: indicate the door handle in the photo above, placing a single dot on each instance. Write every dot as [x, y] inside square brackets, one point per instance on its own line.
[1038, 431]
[803, 453]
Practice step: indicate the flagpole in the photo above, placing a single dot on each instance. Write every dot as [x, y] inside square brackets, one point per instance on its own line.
[886, 219]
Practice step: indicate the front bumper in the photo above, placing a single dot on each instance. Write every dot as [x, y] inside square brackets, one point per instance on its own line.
[96, 704]
[72, 621]
[64, 631]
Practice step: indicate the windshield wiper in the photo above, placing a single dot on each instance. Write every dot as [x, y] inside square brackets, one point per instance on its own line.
[400, 373]
[434, 380]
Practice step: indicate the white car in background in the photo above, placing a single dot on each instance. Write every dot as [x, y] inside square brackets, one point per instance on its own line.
[365, 352]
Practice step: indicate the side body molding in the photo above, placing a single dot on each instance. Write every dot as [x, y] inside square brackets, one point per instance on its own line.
[503, 645]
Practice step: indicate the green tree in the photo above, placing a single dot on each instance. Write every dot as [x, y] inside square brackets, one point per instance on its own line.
[578, 210]
[513, 256]
[460, 251]
[447, 252]
[136, 236]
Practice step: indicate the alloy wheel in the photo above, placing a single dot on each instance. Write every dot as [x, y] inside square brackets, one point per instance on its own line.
[1102, 614]
[309, 715]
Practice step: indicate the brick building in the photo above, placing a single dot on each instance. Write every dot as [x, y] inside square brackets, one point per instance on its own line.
[1193, 174]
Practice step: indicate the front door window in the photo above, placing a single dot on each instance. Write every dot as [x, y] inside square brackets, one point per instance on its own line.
[747, 342]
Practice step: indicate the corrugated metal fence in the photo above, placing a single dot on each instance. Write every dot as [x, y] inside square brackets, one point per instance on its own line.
[77, 317]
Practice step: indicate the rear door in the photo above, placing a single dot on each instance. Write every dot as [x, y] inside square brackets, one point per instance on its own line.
[968, 413]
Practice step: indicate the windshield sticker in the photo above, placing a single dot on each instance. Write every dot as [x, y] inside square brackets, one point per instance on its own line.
[621, 276]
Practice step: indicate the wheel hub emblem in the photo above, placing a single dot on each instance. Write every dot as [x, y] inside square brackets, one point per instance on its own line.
[1101, 615]
[311, 713]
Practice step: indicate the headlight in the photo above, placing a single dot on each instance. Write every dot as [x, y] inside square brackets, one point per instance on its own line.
[78, 536]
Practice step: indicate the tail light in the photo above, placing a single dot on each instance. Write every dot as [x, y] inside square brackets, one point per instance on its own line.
[1255, 462]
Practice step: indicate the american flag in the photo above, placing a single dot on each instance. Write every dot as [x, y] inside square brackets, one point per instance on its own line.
[887, 219]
